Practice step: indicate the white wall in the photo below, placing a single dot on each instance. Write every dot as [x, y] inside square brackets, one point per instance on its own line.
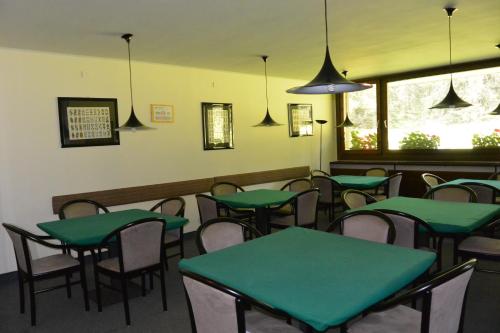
[33, 167]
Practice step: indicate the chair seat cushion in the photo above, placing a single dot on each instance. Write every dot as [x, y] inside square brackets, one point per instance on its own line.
[257, 322]
[111, 264]
[396, 320]
[497, 200]
[287, 220]
[53, 263]
[483, 245]
[380, 197]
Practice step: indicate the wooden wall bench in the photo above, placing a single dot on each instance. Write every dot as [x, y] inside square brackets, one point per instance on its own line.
[128, 195]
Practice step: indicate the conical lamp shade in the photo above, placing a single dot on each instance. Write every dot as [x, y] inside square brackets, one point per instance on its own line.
[329, 81]
[496, 112]
[451, 100]
[133, 124]
[346, 123]
[267, 121]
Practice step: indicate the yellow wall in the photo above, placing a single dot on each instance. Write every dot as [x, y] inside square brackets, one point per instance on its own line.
[33, 167]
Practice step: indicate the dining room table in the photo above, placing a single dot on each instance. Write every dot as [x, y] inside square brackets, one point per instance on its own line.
[359, 182]
[321, 279]
[490, 182]
[86, 233]
[260, 200]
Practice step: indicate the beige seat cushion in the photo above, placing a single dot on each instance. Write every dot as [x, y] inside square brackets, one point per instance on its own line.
[478, 244]
[497, 200]
[396, 320]
[53, 263]
[257, 322]
[111, 264]
[288, 220]
[380, 197]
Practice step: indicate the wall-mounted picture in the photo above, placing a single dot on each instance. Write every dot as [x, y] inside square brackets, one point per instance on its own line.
[300, 120]
[217, 121]
[162, 113]
[88, 121]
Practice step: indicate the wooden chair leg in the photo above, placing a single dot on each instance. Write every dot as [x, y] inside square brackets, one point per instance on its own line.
[32, 302]
[83, 280]
[151, 284]
[143, 284]
[21, 291]
[68, 285]
[125, 299]
[440, 254]
[163, 288]
[97, 290]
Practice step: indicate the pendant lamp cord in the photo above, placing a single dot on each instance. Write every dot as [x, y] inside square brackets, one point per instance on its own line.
[265, 74]
[326, 24]
[449, 39]
[130, 74]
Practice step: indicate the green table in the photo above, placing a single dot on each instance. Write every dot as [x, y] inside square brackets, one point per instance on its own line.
[90, 230]
[444, 217]
[319, 278]
[260, 200]
[359, 182]
[494, 183]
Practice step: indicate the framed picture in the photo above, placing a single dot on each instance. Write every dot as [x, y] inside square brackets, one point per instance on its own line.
[300, 120]
[162, 113]
[217, 121]
[88, 121]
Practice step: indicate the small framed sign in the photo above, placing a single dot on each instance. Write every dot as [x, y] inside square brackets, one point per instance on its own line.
[162, 113]
[88, 121]
[217, 121]
[300, 120]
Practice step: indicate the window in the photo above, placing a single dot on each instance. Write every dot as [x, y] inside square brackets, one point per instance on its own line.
[412, 125]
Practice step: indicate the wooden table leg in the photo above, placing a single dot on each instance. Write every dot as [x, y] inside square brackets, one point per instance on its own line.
[83, 278]
[261, 220]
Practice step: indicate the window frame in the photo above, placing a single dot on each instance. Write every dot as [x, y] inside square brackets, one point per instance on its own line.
[383, 153]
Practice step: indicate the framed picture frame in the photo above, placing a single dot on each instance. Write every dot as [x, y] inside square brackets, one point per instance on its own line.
[161, 113]
[217, 120]
[88, 121]
[300, 119]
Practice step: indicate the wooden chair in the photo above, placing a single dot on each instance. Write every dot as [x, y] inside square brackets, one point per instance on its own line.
[304, 207]
[330, 191]
[443, 306]
[225, 188]
[485, 193]
[375, 172]
[496, 176]
[451, 192]
[296, 185]
[209, 208]
[431, 180]
[174, 207]
[141, 250]
[354, 199]
[80, 208]
[222, 232]
[391, 187]
[33, 270]
[319, 173]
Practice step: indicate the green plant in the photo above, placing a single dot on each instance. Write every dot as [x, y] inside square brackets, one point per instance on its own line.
[419, 140]
[368, 141]
[484, 141]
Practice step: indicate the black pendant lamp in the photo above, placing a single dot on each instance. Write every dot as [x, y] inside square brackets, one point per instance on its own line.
[132, 124]
[496, 112]
[452, 100]
[347, 122]
[267, 121]
[328, 80]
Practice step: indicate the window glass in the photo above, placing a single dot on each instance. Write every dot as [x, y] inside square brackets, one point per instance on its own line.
[413, 125]
[361, 107]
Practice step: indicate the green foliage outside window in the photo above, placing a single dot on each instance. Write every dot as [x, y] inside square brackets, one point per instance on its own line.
[485, 141]
[419, 140]
[368, 141]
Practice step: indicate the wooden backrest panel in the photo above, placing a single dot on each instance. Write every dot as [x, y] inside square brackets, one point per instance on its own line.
[262, 177]
[128, 195]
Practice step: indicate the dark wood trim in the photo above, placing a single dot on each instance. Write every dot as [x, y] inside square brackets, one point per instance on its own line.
[128, 195]
[419, 162]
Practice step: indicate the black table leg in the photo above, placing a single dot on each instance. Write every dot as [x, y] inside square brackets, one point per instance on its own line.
[83, 278]
[261, 220]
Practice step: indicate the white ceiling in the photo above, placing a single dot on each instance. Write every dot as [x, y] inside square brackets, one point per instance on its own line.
[367, 37]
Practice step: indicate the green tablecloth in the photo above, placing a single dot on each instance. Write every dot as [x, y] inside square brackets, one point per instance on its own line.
[442, 216]
[320, 278]
[255, 199]
[359, 182]
[91, 230]
[494, 183]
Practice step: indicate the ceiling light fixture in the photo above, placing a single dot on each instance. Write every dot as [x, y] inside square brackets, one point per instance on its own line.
[267, 121]
[452, 100]
[328, 80]
[347, 122]
[132, 124]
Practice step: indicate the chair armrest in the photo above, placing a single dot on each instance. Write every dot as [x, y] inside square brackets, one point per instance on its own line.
[41, 239]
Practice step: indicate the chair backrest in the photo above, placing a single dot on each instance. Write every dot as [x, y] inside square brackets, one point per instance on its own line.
[355, 199]
[376, 172]
[223, 188]
[21, 247]
[393, 184]
[80, 208]
[297, 185]
[171, 206]
[140, 244]
[495, 176]
[222, 232]
[306, 207]
[451, 192]
[366, 224]
[212, 310]
[485, 193]
[327, 188]
[431, 180]
[319, 173]
[407, 228]
[207, 207]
